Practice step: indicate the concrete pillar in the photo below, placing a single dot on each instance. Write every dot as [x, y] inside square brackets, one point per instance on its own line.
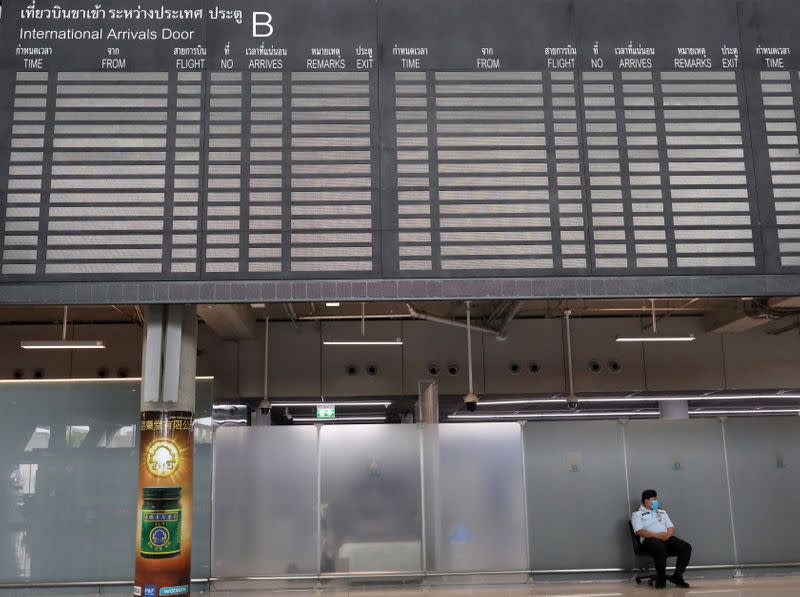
[169, 357]
[674, 409]
[166, 451]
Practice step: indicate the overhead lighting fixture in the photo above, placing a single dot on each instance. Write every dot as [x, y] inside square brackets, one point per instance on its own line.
[332, 304]
[723, 397]
[689, 338]
[87, 380]
[62, 344]
[612, 399]
[550, 415]
[513, 402]
[397, 342]
[748, 411]
[654, 324]
[334, 404]
[337, 419]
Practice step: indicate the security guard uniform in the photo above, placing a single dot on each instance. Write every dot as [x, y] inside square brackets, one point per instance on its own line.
[658, 521]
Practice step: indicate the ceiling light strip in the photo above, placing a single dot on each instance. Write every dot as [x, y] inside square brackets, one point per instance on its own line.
[88, 380]
[337, 419]
[517, 416]
[334, 404]
[690, 338]
[747, 411]
[62, 344]
[616, 414]
[363, 343]
[598, 400]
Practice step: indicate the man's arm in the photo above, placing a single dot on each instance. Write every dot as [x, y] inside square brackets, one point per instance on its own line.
[670, 527]
[636, 521]
[648, 535]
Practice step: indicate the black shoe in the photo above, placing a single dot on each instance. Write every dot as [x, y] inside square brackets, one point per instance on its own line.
[660, 583]
[677, 580]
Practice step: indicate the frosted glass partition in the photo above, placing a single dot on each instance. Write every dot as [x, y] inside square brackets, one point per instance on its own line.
[265, 501]
[203, 473]
[575, 467]
[371, 515]
[684, 461]
[481, 499]
[764, 464]
[68, 461]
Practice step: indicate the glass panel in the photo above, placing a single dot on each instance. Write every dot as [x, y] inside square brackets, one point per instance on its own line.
[571, 467]
[265, 501]
[763, 459]
[370, 498]
[68, 461]
[481, 503]
[684, 462]
[202, 475]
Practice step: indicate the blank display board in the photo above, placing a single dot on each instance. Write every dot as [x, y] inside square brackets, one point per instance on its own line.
[405, 138]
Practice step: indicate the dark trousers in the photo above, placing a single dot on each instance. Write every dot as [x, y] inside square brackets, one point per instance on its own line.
[671, 547]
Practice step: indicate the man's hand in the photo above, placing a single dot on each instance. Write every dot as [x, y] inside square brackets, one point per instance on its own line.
[663, 536]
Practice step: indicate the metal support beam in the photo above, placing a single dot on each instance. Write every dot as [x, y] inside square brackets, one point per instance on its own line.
[444, 321]
[510, 315]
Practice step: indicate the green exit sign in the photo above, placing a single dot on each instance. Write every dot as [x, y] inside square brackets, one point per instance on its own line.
[326, 412]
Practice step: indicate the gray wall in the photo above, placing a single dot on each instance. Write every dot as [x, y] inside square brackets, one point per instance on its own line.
[300, 366]
[574, 470]
[684, 461]
[764, 459]
[556, 496]
[579, 500]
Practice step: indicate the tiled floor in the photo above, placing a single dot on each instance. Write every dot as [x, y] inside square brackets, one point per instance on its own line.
[750, 587]
[747, 587]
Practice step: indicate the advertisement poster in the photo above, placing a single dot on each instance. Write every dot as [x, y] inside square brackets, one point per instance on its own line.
[164, 521]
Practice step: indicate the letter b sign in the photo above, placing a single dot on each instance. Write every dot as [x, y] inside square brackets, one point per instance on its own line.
[262, 24]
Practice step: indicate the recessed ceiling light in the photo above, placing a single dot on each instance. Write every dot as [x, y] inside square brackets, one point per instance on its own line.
[333, 304]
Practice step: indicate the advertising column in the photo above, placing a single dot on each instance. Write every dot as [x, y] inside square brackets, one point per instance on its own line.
[163, 540]
[164, 522]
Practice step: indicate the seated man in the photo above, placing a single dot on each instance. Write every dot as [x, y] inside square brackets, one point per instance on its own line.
[658, 538]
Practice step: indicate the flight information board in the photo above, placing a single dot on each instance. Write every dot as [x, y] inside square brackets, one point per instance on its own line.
[305, 139]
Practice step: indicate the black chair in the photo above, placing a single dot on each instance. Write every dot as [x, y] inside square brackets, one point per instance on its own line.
[640, 552]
